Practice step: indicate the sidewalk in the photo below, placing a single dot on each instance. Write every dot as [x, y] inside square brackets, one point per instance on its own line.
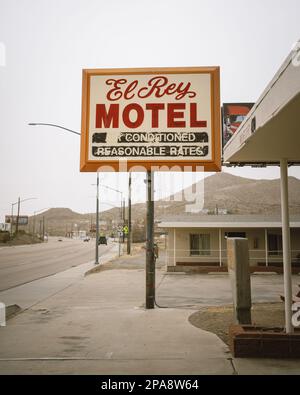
[29, 294]
[98, 325]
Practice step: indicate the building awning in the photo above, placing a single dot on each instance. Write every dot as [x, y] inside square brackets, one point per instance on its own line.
[225, 225]
[270, 134]
[271, 130]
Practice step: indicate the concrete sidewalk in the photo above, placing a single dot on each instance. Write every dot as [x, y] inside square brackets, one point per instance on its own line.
[33, 292]
[98, 325]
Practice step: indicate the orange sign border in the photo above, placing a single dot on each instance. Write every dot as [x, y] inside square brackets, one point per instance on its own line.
[212, 165]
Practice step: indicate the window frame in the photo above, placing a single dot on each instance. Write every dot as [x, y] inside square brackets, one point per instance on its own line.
[200, 252]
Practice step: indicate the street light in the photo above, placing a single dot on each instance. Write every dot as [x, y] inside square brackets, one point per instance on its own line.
[53, 125]
[122, 207]
[97, 198]
[116, 190]
[119, 238]
[12, 213]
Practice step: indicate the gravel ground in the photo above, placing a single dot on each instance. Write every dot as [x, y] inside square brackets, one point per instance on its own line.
[218, 319]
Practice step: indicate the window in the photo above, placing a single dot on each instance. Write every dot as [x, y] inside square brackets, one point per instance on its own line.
[235, 234]
[274, 244]
[200, 244]
[255, 243]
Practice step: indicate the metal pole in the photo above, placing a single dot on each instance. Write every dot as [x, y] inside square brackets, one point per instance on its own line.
[286, 244]
[97, 222]
[43, 228]
[220, 247]
[124, 220]
[12, 219]
[266, 247]
[34, 223]
[174, 247]
[121, 208]
[129, 216]
[17, 224]
[150, 262]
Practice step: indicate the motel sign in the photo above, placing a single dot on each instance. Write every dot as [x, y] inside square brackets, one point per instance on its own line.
[151, 117]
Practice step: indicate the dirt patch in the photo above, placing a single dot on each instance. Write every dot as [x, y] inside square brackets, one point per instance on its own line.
[218, 319]
[22, 239]
[129, 262]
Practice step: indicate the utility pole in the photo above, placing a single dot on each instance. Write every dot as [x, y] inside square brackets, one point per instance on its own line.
[12, 220]
[150, 261]
[97, 222]
[43, 228]
[124, 220]
[18, 215]
[129, 216]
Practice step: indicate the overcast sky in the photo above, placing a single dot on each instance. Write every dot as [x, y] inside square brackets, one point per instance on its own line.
[45, 44]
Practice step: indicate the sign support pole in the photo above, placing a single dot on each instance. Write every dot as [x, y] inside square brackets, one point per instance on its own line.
[286, 244]
[150, 261]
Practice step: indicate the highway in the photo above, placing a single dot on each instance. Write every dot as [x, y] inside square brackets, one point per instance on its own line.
[22, 264]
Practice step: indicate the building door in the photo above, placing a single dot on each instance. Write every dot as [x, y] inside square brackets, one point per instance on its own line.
[274, 244]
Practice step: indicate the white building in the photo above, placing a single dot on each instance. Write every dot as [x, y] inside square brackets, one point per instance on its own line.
[201, 240]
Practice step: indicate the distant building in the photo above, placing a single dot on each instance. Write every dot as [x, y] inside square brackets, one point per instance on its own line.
[201, 240]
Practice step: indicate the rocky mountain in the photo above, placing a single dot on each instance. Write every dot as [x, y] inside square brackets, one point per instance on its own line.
[222, 192]
[238, 195]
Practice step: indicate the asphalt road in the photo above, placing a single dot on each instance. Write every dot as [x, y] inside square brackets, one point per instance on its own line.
[22, 264]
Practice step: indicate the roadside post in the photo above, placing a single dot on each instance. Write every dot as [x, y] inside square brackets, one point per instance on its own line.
[120, 235]
[239, 273]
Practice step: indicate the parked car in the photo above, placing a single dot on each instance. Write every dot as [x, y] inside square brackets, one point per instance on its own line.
[86, 238]
[102, 240]
[60, 239]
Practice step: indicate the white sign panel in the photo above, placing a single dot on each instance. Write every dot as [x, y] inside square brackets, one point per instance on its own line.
[163, 117]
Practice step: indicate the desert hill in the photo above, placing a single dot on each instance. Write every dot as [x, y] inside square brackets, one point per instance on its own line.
[222, 191]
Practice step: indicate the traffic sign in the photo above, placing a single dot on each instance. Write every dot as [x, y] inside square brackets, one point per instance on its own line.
[125, 229]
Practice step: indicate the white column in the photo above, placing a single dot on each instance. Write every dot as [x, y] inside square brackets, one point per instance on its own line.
[266, 247]
[174, 247]
[286, 244]
[220, 246]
